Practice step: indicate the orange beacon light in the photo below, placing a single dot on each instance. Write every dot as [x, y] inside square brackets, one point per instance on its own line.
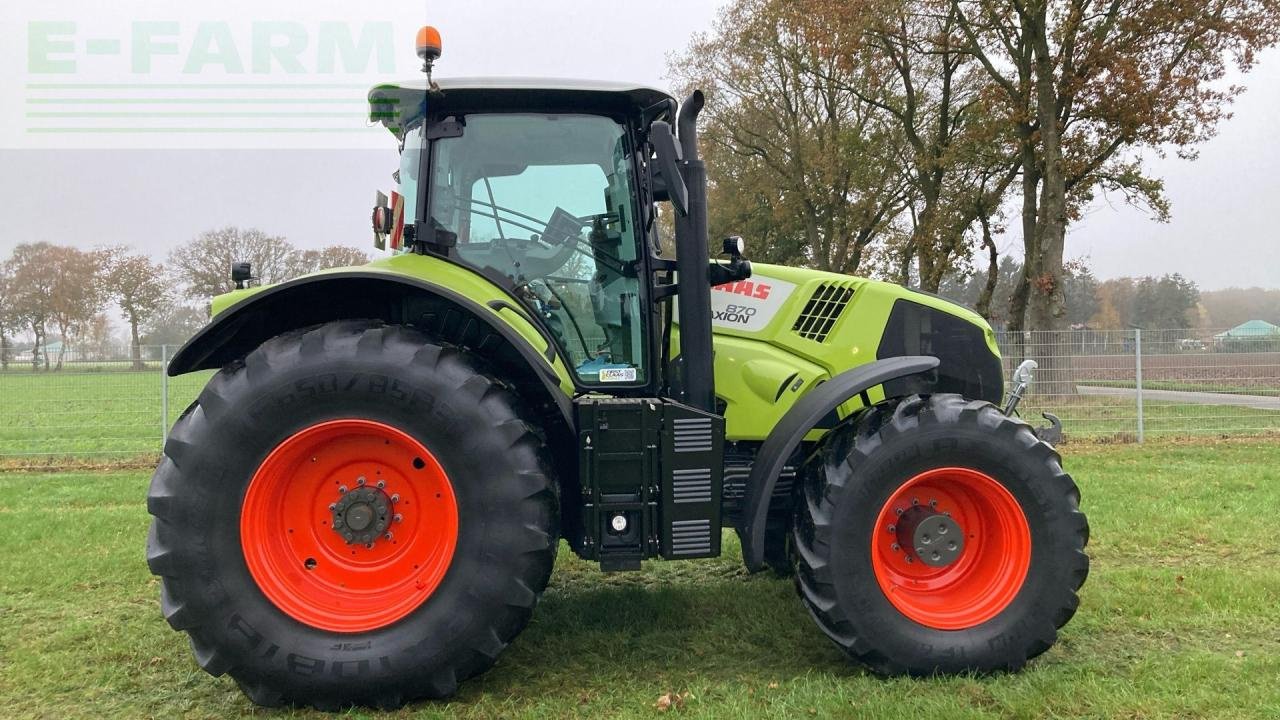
[429, 47]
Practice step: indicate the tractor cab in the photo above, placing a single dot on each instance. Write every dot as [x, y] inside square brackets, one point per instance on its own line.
[537, 184]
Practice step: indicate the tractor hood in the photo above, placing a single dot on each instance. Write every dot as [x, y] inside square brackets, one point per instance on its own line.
[826, 323]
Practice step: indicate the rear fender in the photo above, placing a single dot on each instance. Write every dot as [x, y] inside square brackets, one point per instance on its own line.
[786, 436]
[499, 329]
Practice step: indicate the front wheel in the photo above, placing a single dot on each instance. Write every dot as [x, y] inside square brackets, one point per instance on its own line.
[938, 535]
[353, 514]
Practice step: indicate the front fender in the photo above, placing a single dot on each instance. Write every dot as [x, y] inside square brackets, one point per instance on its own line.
[791, 429]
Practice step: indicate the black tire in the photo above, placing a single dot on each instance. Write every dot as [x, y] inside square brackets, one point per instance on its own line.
[853, 474]
[507, 509]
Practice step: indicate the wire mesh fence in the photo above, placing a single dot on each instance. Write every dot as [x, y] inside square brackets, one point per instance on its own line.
[110, 406]
[1130, 385]
[101, 405]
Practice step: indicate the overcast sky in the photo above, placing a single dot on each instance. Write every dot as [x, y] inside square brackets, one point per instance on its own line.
[157, 190]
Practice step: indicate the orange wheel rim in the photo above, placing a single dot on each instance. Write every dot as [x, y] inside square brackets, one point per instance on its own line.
[987, 560]
[349, 525]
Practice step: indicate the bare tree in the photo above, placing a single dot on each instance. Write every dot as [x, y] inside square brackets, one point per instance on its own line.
[173, 324]
[203, 267]
[334, 256]
[138, 285]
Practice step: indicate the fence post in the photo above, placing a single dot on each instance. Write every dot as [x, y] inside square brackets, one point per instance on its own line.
[164, 395]
[1137, 373]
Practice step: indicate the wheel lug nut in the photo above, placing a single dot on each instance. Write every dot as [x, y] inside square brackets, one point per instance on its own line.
[382, 484]
[892, 528]
[342, 489]
[395, 498]
[895, 547]
[388, 536]
[398, 517]
[360, 480]
[933, 504]
[899, 510]
[333, 506]
[915, 501]
[368, 546]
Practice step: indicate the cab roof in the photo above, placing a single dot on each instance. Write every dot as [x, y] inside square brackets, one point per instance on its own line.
[397, 104]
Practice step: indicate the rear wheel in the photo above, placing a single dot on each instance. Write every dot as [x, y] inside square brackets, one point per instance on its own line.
[353, 514]
[939, 535]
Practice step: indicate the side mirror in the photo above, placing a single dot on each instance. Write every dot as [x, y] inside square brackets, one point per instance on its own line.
[668, 154]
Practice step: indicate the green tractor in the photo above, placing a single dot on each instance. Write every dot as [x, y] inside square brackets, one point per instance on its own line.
[366, 500]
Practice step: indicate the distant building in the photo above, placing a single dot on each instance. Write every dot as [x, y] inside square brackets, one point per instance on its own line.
[1251, 329]
[1252, 336]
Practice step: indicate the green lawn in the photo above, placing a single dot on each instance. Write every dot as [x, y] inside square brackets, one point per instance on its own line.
[1226, 387]
[114, 417]
[1179, 619]
[1115, 419]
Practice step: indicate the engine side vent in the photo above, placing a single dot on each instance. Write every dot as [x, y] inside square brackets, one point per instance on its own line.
[690, 486]
[691, 537]
[822, 311]
[692, 435]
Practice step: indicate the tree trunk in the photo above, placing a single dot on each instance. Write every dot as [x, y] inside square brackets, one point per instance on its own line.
[904, 264]
[993, 268]
[136, 347]
[1046, 310]
[1030, 254]
[62, 349]
[4, 349]
[37, 347]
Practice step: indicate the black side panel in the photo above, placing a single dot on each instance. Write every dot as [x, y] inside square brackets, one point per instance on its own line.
[618, 446]
[692, 478]
[651, 480]
[966, 365]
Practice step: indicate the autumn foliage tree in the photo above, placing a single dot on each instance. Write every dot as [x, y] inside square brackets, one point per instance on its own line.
[798, 163]
[139, 287]
[1088, 87]
[956, 159]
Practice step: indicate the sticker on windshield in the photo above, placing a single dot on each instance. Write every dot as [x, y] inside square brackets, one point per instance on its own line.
[748, 304]
[618, 375]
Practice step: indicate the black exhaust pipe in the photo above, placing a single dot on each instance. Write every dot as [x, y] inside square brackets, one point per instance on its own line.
[692, 263]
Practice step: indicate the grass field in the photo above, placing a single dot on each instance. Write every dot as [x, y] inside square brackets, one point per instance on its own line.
[1180, 617]
[115, 417]
[1266, 388]
[115, 414]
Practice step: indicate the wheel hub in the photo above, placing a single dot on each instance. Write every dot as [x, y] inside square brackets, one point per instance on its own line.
[952, 548]
[363, 515]
[936, 539]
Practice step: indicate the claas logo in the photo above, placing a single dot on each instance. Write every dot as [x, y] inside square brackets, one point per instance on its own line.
[759, 291]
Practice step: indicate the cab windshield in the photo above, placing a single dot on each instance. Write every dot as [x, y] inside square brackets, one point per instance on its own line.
[546, 201]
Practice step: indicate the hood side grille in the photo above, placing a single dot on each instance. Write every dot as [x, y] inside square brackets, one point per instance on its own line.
[821, 312]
